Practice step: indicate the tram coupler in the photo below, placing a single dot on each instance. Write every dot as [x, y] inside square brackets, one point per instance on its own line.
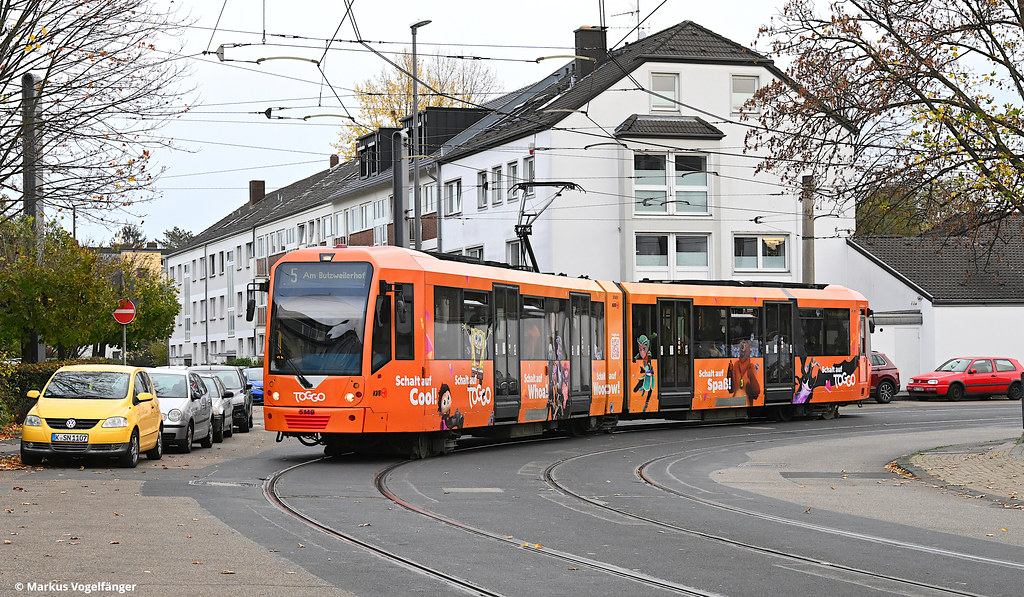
[280, 437]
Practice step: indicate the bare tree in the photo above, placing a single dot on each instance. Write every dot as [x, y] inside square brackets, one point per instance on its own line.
[386, 98]
[912, 105]
[107, 76]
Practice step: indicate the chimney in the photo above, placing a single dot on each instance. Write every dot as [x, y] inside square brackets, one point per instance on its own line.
[257, 190]
[591, 42]
[334, 160]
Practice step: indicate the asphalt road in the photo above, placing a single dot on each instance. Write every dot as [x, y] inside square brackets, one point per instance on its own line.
[800, 508]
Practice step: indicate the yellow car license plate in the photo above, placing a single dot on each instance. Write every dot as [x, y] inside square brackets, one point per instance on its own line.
[80, 438]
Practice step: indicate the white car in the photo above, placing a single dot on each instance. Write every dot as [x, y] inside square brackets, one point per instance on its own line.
[186, 405]
[222, 406]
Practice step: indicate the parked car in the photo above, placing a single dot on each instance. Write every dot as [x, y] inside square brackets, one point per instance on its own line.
[94, 410]
[222, 407]
[970, 376]
[241, 401]
[255, 377]
[186, 406]
[885, 378]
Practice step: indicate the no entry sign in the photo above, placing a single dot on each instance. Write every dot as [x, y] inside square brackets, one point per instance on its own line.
[125, 312]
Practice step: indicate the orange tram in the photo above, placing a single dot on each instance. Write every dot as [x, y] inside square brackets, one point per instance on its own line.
[385, 349]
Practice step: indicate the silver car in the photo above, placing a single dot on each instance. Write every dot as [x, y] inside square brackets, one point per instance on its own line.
[186, 406]
[222, 407]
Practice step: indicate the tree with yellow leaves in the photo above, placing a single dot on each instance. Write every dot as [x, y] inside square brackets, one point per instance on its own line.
[387, 98]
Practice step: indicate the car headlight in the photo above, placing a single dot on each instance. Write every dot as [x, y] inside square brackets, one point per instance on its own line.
[933, 382]
[33, 421]
[216, 410]
[174, 415]
[115, 422]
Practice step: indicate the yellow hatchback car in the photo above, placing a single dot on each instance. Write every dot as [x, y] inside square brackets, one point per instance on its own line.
[94, 410]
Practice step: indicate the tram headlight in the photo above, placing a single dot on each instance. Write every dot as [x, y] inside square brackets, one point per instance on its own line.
[275, 396]
[350, 398]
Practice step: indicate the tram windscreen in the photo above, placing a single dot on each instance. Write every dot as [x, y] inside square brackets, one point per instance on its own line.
[318, 318]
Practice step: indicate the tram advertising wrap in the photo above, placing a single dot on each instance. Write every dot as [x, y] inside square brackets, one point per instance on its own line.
[387, 349]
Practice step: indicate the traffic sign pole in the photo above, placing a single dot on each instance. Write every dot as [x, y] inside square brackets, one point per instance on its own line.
[124, 314]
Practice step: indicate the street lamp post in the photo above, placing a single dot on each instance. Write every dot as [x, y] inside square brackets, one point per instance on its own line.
[417, 232]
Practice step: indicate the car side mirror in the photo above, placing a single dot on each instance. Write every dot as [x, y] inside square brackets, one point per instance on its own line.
[248, 386]
[144, 397]
[228, 394]
[33, 394]
[973, 371]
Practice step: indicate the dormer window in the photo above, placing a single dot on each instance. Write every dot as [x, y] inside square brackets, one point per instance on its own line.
[743, 88]
[665, 95]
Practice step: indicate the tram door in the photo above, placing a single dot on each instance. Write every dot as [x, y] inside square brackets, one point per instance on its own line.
[779, 371]
[506, 353]
[580, 368]
[675, 358]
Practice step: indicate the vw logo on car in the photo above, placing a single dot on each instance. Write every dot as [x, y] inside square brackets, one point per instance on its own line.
[70, 423]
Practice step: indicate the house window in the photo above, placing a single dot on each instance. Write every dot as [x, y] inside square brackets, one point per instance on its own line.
[743, 88]
[651, 250]
[453, 197]
[760, 252]
[514, 253]
[664, 96]
[672, 184]
[481, 190]
[688, 259]
[428, 198]
[513, 178]
[302, 234]
[365, 219]
[475, 253]
[529, 174]
[496, 185]
[327, 226]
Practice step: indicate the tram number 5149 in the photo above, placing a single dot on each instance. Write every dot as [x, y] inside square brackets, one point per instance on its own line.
[307, 411]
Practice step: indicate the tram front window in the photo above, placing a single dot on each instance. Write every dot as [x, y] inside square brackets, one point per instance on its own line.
[318, 318]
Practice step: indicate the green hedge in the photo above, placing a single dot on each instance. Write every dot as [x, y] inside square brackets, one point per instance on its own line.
[18, 379]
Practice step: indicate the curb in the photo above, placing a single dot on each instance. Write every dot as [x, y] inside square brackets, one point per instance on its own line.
[906, 467]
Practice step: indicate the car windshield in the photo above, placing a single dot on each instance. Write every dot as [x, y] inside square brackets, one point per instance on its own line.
[88, 385]
[210, 385]
[254, 374]
[230, 379]
[956, 365]
[169, 385]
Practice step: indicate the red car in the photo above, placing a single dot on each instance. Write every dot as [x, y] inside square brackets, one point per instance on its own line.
[885, 378]
[980, 377]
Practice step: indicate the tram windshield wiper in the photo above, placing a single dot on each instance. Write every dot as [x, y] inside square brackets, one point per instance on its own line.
[283, 355]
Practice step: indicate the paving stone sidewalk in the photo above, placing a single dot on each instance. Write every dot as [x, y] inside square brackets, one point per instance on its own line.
[993, 470]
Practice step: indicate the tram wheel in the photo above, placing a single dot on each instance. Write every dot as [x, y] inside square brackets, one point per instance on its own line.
[831, 412]
[783, 414]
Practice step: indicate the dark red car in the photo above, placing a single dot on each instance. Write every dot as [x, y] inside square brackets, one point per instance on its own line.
[980, 377]
[885, 378]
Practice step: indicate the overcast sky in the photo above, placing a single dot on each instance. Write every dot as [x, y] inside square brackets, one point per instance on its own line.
[227, 141]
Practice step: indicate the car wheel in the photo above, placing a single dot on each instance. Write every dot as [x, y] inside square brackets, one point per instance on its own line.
[1016, 391]
[250, 420]
[158, 450]
[207, 442]
[131, 457]
[218, 430]
[243, 427]
[30, 459]
[186, 445]
[955, 393]
[885, 391]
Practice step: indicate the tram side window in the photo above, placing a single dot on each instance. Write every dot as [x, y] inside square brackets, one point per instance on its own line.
[448, 323]
[643, 325]
[476, 325]
[381, 343]
[826, 331]
[405, 346]
[597, 330]
[710, 331]
[534, 343]
[557, 329]
[743, 327]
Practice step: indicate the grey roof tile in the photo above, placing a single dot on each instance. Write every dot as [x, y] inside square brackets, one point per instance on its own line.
[679, 127]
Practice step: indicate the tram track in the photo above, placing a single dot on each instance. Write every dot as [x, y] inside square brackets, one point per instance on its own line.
[826, 566]
[380, 483]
